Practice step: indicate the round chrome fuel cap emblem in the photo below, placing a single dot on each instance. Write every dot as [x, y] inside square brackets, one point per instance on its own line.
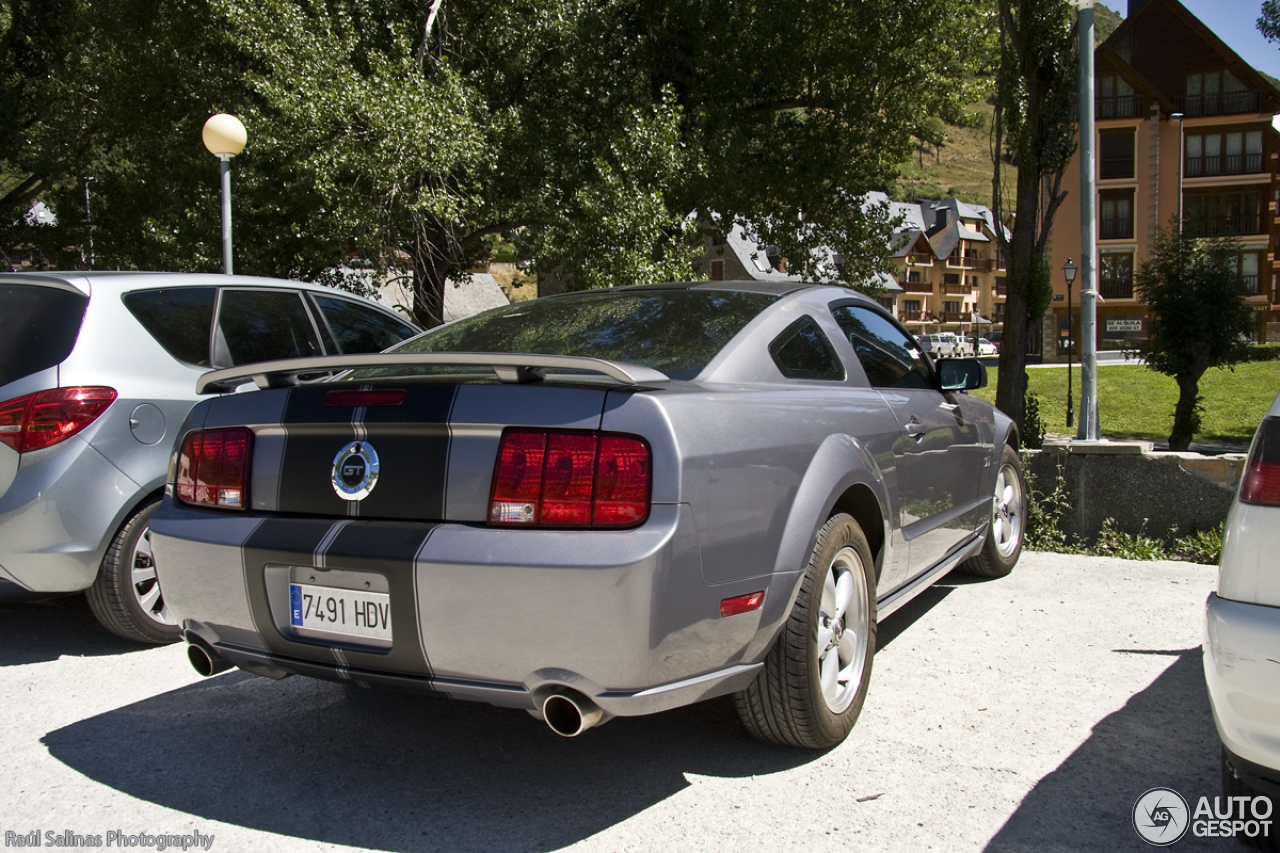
[355, 471]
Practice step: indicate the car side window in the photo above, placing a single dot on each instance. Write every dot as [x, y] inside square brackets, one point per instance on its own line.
[179, 318]
[889, 356]
[803, 351]
[264, 325]
[358, 328]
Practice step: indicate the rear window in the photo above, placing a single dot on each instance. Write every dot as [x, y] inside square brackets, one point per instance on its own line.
[40, 328]
[178, 318]
[675, 331]
[359, 328]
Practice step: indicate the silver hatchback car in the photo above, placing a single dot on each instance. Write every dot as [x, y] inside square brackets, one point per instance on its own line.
[97, 371]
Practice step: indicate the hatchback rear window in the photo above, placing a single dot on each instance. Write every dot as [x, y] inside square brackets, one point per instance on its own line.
[675, 331]
[40, 328]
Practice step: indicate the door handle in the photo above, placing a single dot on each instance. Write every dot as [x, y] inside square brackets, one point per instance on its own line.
[915, 428]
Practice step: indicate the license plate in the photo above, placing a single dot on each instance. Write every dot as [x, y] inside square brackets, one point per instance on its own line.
[350, 612]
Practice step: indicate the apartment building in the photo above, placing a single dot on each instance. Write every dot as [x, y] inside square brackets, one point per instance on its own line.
[950, 267]
[1185, 131]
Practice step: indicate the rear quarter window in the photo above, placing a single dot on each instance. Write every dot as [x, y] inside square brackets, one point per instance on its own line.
[179, 318]
[359, 328]
[41, 325]
[803, 351]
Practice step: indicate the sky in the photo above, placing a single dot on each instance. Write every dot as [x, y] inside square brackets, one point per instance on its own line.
[1235, 22]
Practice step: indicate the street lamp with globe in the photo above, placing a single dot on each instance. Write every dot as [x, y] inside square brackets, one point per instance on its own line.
[224, 135]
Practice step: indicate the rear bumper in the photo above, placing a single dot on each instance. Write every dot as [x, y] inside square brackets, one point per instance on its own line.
[499, 616]
[1242, 671]
[57, 515]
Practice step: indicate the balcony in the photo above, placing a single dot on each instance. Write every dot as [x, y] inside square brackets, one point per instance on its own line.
[920, 259]
[917, 287]
[1116, 288]
[1220, 104]
[1115, 229]
[957, 316]
[1002, 290]
[970, 261]
[957, 288]
[1228, 164]
[1124, 106]
[1222, 226]
[1115, 167]
[912, 316]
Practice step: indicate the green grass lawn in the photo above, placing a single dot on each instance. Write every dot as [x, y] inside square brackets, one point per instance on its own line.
[1136, 402]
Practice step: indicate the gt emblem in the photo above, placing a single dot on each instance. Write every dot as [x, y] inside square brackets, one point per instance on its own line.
[355, 471]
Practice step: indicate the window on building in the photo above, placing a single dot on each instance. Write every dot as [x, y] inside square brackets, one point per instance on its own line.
[1211, 93]
[1115, 98]
[911, 306]
[1115, 221]
[951, 278]
[1115, 278]
[1228, 153]
[1117, 154]
[951, 307]
[1222, 214]
[1249, 264]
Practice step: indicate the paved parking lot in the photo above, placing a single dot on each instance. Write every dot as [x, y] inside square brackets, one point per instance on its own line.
[1028, 713]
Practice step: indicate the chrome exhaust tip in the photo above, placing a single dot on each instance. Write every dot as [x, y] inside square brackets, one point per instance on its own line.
[569, 713]
[206, 661]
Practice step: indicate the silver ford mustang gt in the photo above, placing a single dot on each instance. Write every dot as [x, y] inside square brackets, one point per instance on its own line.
[600, 504]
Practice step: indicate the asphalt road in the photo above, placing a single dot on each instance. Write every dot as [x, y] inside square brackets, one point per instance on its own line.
[1028, 713]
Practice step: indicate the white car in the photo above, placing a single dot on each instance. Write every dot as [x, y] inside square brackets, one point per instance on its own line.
[985, 347]
[1242, 631]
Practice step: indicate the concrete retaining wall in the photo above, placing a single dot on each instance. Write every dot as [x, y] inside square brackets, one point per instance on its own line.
[1143, 490]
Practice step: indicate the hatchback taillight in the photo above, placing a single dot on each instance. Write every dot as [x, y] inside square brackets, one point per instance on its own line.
[45, 418]
[213, 468]
[1261, 481]
[560, 478]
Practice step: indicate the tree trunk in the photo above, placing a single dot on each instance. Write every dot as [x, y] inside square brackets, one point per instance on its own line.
[430, 277]
[1186, 420]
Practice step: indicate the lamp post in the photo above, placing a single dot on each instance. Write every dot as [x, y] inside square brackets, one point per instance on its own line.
[1089, 428]
[224, 136]
[1069, 273]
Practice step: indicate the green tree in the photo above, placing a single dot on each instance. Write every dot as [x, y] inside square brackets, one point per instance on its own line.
[405, 134]
[1269, 20]
[1199, 318]
[1034, 128]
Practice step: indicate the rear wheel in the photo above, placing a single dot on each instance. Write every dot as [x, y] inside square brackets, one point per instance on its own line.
[1008, 525]
[815, 677]
[126, 595]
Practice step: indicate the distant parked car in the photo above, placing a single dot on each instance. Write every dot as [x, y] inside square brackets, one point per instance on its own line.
[985, 347]
[996, 336]
[965, 347]
[97, 371]
[1242, 636]
[938, 344]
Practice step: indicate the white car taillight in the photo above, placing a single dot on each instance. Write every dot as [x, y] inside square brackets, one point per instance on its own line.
[213, 468]
[1261, 481]
[561, 478]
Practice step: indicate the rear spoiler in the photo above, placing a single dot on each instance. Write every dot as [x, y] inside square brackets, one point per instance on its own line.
[512, 368]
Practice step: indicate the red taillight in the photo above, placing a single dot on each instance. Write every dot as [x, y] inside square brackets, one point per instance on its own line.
[213, 467]
[550, 478]
[1261, 481]
[47, 417]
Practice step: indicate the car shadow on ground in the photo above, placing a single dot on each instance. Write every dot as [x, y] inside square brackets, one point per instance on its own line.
[340, 765]
[38, 631]
[1163, 737]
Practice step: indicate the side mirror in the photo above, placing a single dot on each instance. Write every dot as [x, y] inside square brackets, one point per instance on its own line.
[961, 374]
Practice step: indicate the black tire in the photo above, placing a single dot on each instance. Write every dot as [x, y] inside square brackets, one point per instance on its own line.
[1234, 786]
[126, 594]
[788, 703]
[1008, 526]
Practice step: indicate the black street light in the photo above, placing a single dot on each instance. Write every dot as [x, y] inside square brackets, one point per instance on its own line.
[1069, 270]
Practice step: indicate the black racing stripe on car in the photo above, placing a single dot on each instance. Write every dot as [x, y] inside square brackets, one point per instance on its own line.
[411, 441]
[384, 548]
